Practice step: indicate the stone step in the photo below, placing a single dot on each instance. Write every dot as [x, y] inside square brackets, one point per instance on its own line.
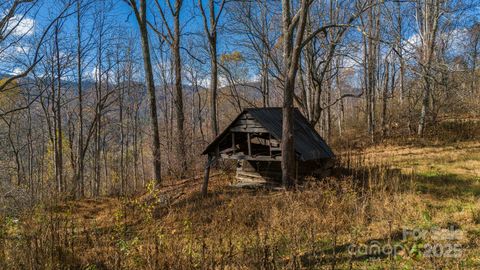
[249, 174]
[247, 180]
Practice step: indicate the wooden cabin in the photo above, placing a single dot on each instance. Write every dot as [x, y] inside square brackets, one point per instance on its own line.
[253, 139]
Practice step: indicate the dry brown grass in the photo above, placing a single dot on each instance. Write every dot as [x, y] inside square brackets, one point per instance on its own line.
[458, 158]
[371, 197]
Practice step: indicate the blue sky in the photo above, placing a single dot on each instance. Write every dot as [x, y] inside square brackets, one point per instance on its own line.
[121, 14]
[121, 17]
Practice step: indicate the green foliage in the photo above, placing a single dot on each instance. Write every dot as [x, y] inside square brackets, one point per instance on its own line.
[10, 95]
[476, 215]
[427, 218]
[232, 57]
[91, 267]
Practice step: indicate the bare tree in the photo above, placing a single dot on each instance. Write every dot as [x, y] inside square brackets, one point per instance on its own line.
[295, 38]
[428, 16]
[79, 185]
[318, 57]
[141, 17]
[371, 50]
[255, 20]
[10, 21]
[57, 111]
[172, 37]
[293, 29]
[210, 23]
[473, 53]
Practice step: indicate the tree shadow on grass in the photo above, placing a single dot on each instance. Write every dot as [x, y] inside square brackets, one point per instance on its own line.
[439, 185]
[446, 186]
[378, 178]
[216, 198]
[373, 249]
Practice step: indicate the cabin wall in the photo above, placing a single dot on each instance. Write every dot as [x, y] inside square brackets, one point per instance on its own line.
[258, 172]
[270, 172]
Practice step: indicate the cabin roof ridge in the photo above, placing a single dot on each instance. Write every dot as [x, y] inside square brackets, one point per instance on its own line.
[308, 143]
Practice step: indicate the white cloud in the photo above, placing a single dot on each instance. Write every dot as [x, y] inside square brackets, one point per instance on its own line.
[415, 40]
[350, 63]
[92, 74]
[17, 71]
[353, 59]
[205, 82]
[412, 43]
[22, 49]
[22, 26]
[255, 78]
[222, 81]
[457, 40]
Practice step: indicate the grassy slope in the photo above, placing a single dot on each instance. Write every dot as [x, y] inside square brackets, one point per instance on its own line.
[428, 187]
[447, 180]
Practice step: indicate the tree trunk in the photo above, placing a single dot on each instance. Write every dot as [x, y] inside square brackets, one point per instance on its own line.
[180, 116]
[210, 30]
[96, 165]
[99, 115]
[385, 99]
[79, 178]
[329, 110]
[371, 53]
[213, 88]
[425, 107]
[206, 176]
[288, 151]
[428, 22]
[58, 119]
[122, 136]
[292, 46]
[400, 52]
[265, 83]
[147, 65]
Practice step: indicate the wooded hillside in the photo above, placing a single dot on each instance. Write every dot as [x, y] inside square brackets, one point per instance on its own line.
[118, 99]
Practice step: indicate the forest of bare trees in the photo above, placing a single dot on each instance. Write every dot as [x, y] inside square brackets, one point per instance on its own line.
[169, 134]
[102, 97]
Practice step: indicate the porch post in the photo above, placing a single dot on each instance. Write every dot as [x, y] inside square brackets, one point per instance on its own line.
[206, 176]
[249, 146]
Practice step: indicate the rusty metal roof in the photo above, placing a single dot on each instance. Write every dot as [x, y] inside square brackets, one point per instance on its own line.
[309, 145]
